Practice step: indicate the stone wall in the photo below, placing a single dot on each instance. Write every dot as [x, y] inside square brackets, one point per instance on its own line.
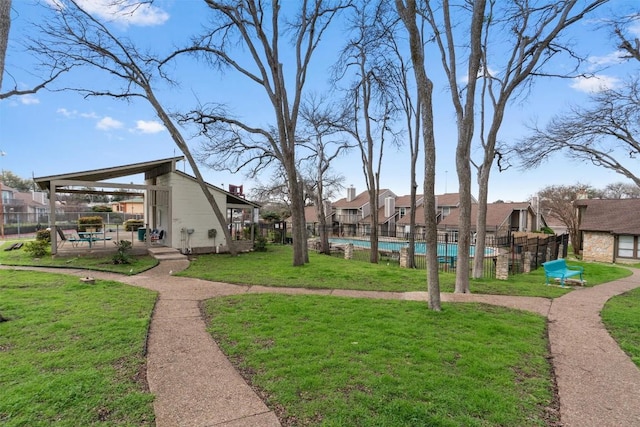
[598, 246]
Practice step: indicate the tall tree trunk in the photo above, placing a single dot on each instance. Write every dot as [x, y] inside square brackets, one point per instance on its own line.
[298, 224]
[415, 149]
[5, 24]
[425, 88]
[466, 122]
[481, 222]
[322, 215]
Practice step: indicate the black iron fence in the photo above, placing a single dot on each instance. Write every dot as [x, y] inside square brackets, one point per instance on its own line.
[524, 252]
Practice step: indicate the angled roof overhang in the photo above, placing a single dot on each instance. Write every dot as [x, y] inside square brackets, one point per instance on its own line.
[65, 183]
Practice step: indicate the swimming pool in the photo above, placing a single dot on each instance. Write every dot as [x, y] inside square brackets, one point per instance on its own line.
[444, 249]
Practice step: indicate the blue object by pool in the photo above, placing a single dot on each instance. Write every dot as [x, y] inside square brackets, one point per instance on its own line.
[444, 249]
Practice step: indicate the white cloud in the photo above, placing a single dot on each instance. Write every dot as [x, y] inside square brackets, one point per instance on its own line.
[635, 28]
[124, 12]
[149, 126]
[29, 100]
[72, 114]
[615, 57]
[66, 113]
[595, 84]
[127, 12]
[108, 123]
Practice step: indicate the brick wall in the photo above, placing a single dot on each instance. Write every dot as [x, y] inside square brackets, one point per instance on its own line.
[598, 246]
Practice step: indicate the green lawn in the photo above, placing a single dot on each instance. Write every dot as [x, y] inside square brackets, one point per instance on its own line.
[621, 317]
[104, 263]
[75, 351]
[72, 354]
[273, 268]
[329, 361]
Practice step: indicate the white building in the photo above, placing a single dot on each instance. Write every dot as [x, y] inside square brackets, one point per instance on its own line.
[174, 203]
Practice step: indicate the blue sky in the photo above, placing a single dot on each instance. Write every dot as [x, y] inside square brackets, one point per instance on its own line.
[59, 132]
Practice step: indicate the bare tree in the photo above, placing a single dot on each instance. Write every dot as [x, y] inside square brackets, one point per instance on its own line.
[74, 37]
[621, 190]
[557, 201]
[604, 133]
[532, 36]
[54, 69]
[325, 145]
[256, 27]
[409, 14]
[366, 57]
[463, 100]
[630, 46]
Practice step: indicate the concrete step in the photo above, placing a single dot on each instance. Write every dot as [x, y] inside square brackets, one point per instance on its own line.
[175, 256]
[165, 253]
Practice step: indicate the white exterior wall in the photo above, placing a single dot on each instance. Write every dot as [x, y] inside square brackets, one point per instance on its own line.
[191, 210]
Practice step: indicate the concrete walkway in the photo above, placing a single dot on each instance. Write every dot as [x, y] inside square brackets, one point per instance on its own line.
[195, 385]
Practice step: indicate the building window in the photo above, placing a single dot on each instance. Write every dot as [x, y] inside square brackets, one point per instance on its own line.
[628, 247]
[403, 212]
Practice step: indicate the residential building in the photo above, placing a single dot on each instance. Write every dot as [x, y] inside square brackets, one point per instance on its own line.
[610, 229]
[23, 207]
[502, 219]
[133, 206]
[351, 212]
[173, 202]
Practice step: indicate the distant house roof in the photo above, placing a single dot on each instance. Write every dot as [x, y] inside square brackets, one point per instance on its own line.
[381, 217]
[28, 200]
[311, 215]
[405, 201]
[356, 203]
[359, 201]
[617, 216]
[497, 214]
[451, 199]
[406, 220]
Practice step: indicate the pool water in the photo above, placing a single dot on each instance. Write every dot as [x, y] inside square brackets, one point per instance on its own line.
[444, 249]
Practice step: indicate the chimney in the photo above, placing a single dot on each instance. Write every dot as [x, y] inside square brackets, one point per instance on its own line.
[351, 193]
[389, 206]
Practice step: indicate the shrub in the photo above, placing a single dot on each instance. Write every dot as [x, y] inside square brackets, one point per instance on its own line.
[102, 208]
[37, 248]
[547, 230]
[44, 235]
[133, 224]
[260, 244]
[85, 222]
[122, 256]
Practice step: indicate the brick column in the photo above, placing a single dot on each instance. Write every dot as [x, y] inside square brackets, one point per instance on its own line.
[502, 267]
[348, 251]
[404, 257]
[526, 260]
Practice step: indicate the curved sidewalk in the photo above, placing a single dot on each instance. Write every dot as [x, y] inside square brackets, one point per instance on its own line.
[598, 384]
[195, 384]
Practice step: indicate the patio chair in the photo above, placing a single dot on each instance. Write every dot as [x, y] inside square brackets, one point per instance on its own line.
[157, 236]
[66, 238]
